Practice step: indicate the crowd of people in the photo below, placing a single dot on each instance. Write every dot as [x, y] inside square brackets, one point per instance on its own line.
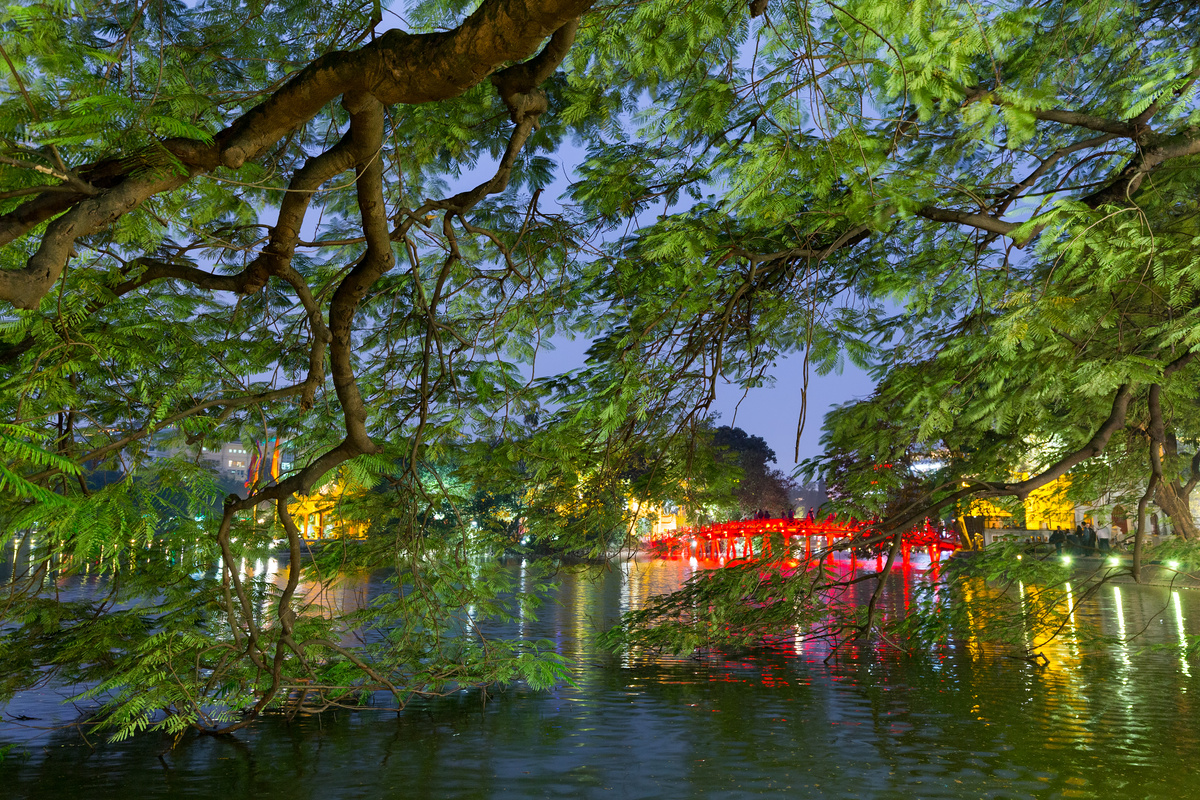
[1082, 541]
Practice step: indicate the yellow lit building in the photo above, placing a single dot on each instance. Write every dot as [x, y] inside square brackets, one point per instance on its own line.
[1045, 508]
[319, 515]
[1048, 506]
[662, 522]
[993, 515]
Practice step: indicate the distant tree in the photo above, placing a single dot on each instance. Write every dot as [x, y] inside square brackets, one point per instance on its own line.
[758, 488]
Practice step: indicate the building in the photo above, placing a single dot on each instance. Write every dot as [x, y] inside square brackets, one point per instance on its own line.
[233, 461]
[1048, 508]
[320, 515]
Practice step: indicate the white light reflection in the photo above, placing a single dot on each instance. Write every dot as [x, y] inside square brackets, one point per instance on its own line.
[521, 604]
[1071, 609]
[1029, 645]
[1182, 636]
[631, 601]
[1120, 613]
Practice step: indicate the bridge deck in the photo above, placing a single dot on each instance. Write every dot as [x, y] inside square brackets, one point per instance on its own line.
[743, 538]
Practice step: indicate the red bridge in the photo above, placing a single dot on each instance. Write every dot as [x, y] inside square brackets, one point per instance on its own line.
[734, 540]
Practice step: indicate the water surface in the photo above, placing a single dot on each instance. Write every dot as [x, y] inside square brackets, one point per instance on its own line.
[957, 723]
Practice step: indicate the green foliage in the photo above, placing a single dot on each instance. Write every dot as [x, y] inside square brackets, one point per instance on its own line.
[966, 202]
[16, 448]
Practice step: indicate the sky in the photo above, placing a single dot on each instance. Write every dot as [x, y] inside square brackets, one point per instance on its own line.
[769, 411]
[773, 411]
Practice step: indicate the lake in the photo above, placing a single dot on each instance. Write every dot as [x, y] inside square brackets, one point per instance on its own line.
[959, 722]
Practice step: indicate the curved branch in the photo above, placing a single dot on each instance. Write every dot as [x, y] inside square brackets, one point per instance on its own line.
[366, 132]
[26, 287]
[518, 84]
[1157, 151]
[1078, 119]
[396, 68]
[464, 201]
[277, 254]
[29, 215]
[1094, 447]
[981, 221]
[917, 510]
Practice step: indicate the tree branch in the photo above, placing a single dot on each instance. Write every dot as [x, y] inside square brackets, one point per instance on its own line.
[1078, 119]
[918, 509]
[980, 221]
[396, 68]
[1157, 151]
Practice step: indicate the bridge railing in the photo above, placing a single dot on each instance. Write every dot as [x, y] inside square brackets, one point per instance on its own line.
[719, 539]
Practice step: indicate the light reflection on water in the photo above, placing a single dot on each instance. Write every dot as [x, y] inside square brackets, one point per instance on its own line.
[958, 723]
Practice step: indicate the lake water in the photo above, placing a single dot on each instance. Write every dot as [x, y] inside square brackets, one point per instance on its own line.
[957, 723]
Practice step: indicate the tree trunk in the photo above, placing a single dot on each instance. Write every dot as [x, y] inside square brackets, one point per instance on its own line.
[1174, 501]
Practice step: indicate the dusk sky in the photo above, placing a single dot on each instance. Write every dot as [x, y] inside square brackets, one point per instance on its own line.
[773, 411]
[770, 412]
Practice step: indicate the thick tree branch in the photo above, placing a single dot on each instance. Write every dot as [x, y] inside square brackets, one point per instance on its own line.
[921, 507]
[396, 68]
[156, 270]
[1094, 447]
[1194, 476]
[278, 252]
[366, 132]
[518, 84]
[29, 215]
[1078, 119]
[26, 287]
[1157, 150]
[981, 221]
[402, 68]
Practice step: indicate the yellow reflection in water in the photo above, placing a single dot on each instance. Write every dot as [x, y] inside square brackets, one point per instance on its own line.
[971, 591]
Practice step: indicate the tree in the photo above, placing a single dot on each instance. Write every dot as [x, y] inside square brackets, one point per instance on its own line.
[228, 219]
[1005, 236]
[759, 488]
